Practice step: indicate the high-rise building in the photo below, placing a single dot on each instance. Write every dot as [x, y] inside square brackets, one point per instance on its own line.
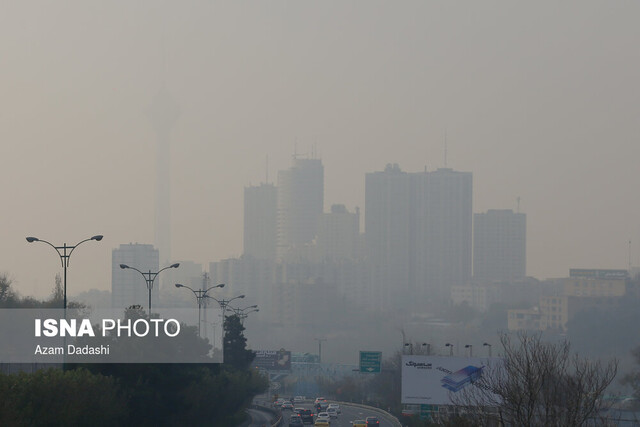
[300, 202]
[499, 245]
[260, 221]
[443, 218]
[418, 234]
[128, 287]
[389, 237]
[338, 234]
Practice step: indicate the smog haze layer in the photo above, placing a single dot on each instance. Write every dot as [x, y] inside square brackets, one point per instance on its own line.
[538, 100]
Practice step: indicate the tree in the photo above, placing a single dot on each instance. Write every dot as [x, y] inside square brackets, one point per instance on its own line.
[537, 384]
[7, 295]
[57, 295]
[235, 351]
[633, 379]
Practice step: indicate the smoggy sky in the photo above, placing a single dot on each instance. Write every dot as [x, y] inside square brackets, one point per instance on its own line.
[540, 100]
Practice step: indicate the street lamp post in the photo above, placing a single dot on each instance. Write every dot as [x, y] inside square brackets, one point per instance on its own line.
[244, 314]
[149, 277]
[200, 294]
[488, 345]
[65, 252]
[223, 305]
[450, 348]
[470, 347]
[428, 346]
[410, 345]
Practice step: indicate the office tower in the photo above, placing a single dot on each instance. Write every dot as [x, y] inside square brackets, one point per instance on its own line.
[164, 115]
[338, 234]
[443, 225]
[418, 235]
[499, 245]
[300, 202]
[389, 237]
[260, 221]
[128, 287]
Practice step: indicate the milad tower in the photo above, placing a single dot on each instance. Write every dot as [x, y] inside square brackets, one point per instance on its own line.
[164, 115]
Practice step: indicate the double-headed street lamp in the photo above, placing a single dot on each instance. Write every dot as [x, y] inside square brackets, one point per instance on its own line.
[150, 277]
[243, 313]
[224, 303]
[64, 252]
[200, 295]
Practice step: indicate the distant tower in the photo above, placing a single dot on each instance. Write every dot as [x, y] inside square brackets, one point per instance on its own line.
[260, 221]
[300, 202]
[164, 115]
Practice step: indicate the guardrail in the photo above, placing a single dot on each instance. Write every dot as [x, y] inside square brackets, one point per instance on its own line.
[277, 415]
[386, 414]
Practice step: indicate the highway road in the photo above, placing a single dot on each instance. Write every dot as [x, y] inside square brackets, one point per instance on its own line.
[349, 413]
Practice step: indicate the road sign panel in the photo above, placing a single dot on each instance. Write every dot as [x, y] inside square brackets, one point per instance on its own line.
[370, 361]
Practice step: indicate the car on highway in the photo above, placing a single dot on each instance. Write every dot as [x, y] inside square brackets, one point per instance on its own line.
[298, 399]
[322, 423]
[278, 402]
[306, 415]
[332, 412]
[372, 422]
[287, 406]
[358, 423]
[323, 416]
[335, 406]
[319, 400]
[295, 421]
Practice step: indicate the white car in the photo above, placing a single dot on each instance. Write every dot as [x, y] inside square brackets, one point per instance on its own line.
[323, 416]
[335, 406]
[332, 412]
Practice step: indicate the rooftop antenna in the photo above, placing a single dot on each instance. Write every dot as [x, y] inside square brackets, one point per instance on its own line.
[445, 148]
[295, 148]
[518, 204]
[266, 173]
[629, 256]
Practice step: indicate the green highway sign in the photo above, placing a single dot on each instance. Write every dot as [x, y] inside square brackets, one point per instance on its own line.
[370, 361]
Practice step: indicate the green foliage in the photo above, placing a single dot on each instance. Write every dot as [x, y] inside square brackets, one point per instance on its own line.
[56, 397]
[235, 351]
[142, 394]
[7, 295]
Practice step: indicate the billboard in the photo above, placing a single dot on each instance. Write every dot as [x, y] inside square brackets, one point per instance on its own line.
[273, 360]
[430, 380]
[599, 273]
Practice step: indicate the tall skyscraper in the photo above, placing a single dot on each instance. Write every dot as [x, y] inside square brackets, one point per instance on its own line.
[444, 216]
[260, 221]
[300, 202]
[128, 287]
[389, 235]
[338, 234]
[418, 234]
[499, 245]
[164, 115]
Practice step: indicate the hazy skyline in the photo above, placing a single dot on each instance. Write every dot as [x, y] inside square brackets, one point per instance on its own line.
[538, 100]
